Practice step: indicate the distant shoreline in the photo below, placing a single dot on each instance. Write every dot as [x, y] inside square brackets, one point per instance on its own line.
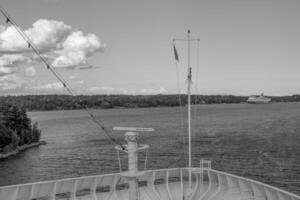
[21, 149]
[116, 108]
[68, 102]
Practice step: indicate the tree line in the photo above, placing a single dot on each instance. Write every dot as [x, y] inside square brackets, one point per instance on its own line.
[67, 102]
[16, 128]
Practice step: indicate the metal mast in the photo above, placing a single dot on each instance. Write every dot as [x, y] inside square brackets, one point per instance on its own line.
[189, 80]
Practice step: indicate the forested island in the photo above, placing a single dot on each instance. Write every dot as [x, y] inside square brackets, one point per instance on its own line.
[67, 102]
[17, 132]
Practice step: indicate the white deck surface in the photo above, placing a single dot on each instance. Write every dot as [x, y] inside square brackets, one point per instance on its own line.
[164, 184]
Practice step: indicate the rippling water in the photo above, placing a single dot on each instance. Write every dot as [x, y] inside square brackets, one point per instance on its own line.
[256, 141]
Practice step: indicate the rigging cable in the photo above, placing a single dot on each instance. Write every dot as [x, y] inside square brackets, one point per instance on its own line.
[180, 108]
[196, 94]
[56, 74]
[197, 75]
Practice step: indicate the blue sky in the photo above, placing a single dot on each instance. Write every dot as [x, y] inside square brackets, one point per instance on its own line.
[125, 47]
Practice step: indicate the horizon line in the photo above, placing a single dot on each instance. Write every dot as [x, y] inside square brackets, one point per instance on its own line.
[236, 95]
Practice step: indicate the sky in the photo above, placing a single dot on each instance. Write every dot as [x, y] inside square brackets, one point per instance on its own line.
[125, 47]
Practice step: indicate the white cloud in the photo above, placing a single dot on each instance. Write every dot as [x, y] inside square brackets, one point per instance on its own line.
[11, 41]
[9, 62]
[60, 45]
[47, 34]
[10, 82]
[76, 49]
[44, 34]
[49, 87]
[11, 59]
[8, 78]
[154, 91]
[5, 71]
[123, 91]
[107, 90]
[30, 71]
[80, 82]
[94, 89]
[72, 77]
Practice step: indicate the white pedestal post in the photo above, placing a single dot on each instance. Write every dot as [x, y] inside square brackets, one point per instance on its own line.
[131, 138]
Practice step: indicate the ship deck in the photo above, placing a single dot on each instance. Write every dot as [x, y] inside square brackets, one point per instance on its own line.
[170, 184]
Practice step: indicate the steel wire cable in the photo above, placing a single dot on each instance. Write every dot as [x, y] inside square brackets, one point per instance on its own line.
[181, 110]
[65, 84]
[197, 73]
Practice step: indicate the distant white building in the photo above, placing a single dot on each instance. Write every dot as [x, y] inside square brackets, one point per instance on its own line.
[258, 99]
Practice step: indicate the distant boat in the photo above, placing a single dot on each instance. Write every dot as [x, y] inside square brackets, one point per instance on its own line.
[258, 99]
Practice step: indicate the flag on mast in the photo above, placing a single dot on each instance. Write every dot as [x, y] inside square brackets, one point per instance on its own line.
[175, 53]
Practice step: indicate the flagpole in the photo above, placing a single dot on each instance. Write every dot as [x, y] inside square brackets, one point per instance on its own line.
[189, 79]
